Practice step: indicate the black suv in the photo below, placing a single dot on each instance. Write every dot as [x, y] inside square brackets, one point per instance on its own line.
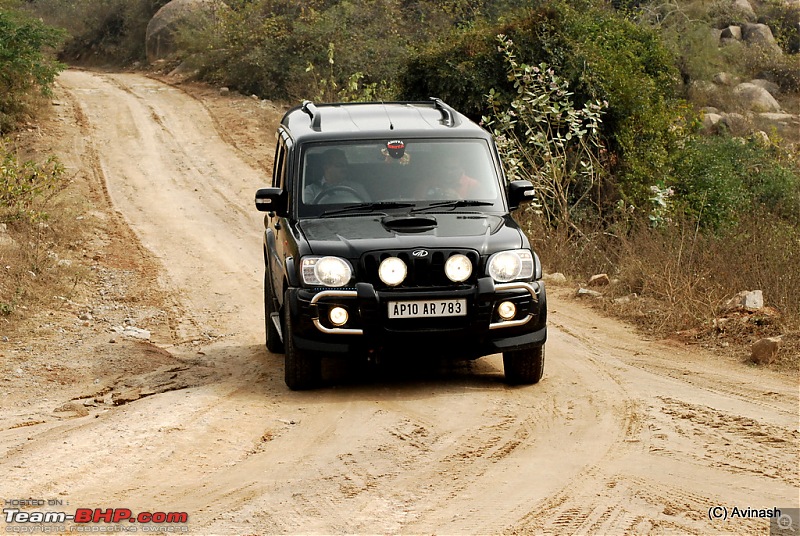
[388, 231]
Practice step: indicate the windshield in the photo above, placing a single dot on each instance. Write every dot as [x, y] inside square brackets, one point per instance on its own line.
[385, 174]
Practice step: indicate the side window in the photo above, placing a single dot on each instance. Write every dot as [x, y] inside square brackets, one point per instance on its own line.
[278, 170]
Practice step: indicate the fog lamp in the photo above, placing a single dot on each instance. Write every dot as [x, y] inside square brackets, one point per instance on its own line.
[507, 310]
[338, 316]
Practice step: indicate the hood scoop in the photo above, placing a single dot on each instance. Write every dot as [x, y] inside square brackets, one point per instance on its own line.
[409, 224]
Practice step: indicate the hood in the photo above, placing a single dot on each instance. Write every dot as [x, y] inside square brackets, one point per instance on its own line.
[352, 236]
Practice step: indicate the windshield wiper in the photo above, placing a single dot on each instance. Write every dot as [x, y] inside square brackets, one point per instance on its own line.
[454, 204]
[366, 207]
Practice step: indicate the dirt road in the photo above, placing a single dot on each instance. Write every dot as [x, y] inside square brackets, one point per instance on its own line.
[622, 436]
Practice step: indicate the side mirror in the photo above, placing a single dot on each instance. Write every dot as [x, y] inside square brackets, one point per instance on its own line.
[521, 191]
[271, 200]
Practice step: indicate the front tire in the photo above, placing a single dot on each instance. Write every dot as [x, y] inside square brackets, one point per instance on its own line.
[302, 369]
[524, 367]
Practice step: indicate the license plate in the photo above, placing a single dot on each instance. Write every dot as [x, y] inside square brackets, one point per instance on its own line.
[427, 308]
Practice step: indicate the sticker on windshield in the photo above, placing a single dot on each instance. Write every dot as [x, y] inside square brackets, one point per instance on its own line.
[396, 149]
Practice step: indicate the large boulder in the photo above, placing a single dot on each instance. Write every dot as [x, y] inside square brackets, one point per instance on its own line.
[162, 28]
[756, 98]
[761, 35]
[745, 9]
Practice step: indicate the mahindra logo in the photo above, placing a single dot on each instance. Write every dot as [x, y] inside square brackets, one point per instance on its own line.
[420, 253]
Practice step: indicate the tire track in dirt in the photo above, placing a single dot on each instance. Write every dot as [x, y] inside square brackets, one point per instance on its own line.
[181, 188]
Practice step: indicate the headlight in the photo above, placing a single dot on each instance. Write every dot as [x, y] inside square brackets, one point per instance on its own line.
[511, 265]
[458, 268]
[392, 271]
[326, 271]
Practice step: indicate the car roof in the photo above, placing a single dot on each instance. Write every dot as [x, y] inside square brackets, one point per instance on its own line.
[341, 121]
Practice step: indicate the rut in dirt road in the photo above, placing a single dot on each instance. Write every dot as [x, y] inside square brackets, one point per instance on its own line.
[621, 436]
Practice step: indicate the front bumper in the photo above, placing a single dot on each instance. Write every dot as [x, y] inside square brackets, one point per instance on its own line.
[481, 331]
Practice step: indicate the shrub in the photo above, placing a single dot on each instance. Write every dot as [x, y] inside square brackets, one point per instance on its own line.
[544, 138]
[25, 66]
[719, 179]
[784, 21]
[600, 54]
[283, 50]
[25, 187]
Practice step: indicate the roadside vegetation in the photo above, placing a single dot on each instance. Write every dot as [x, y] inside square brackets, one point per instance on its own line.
[30, 271]
[595, 102]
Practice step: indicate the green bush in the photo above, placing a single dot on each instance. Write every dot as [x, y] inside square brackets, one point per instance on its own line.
[25, 66]
[602, 56]
[25, 187]
[282, 50]
[719, 179]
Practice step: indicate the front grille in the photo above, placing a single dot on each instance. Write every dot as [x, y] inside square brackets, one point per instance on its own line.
[427, 271]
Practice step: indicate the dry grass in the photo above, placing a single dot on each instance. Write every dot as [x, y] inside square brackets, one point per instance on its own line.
[40, 240]
[675, 281]
[37, 267]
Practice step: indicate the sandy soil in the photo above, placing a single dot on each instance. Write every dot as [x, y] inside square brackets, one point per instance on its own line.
[622, 436]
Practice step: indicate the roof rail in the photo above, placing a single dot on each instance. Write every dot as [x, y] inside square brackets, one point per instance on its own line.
[449, 115]
[313, 112]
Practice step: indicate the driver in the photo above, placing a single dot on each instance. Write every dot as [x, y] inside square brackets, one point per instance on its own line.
[334, 175]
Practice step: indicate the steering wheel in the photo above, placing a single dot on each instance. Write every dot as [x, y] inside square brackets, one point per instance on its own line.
[442, 193]
[339, 189]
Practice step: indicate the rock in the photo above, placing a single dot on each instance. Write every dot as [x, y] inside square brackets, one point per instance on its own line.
[186, 69]
[586, 293]
[765, 351]
[724, 79]
[556, 278]
[737, 124]
[732, 32]
[710, 120]
[772, 87]
[749, 300]
[160, 33]
[5, 238]
[132, 332]
[786, 125]
[599, 280]
[744, 7]
[756, 98]
[760, 35]
[73, 407]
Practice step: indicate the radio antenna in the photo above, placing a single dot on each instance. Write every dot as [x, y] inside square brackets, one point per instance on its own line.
[386, 111]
